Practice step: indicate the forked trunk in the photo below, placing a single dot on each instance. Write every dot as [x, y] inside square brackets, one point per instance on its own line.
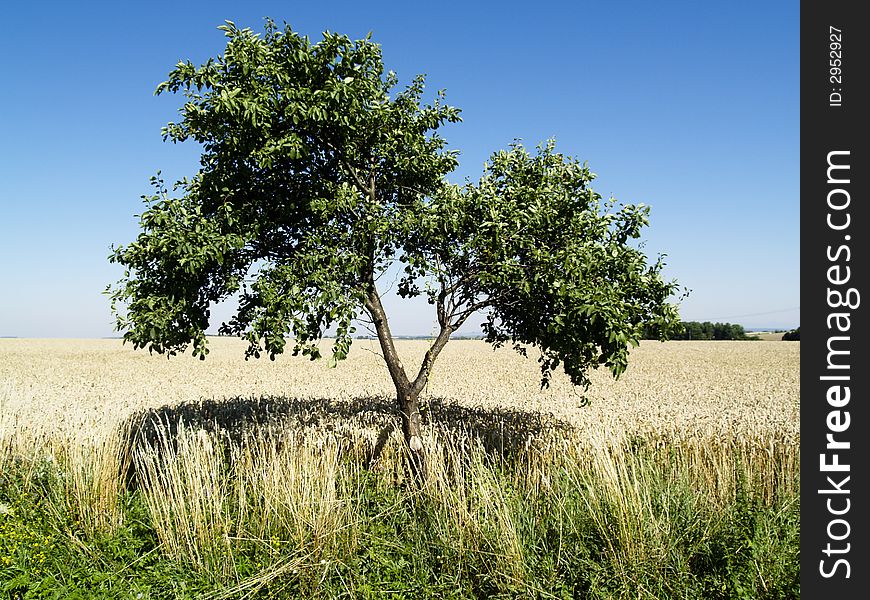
[407, 391]
[407, 394]
[409, 407]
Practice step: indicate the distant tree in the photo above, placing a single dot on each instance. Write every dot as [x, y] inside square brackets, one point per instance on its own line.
[316, 176]
[695, 330]
[792, 336]
[728, 331]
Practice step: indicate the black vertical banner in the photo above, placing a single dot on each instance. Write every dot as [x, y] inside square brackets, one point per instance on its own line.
[835, 300]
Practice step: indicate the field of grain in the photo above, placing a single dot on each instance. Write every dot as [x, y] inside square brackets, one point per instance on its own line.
[633, 483]
[678, 388]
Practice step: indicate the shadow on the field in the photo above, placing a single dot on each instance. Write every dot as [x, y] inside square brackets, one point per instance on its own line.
[363, 422]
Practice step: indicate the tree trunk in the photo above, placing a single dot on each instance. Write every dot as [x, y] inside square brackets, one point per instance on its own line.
[407, 394]
[408, 391]
[409, 407]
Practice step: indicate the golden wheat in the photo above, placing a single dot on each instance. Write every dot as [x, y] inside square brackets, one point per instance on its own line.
[683, 389]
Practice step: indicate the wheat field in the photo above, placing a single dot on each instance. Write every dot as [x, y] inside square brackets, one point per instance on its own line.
[673, 388]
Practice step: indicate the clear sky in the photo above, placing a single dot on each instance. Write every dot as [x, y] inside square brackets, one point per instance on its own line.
[690, 107]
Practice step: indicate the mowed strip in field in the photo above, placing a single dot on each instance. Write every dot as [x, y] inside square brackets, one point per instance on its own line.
[674, 389]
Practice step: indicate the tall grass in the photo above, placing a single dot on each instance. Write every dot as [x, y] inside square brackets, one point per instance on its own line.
[270, 509]
[268, 512]
[94, 461]
[185, 489]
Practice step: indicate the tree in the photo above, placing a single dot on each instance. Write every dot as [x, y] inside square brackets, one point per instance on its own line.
[316, 176]
[793, 335]
[695, 330]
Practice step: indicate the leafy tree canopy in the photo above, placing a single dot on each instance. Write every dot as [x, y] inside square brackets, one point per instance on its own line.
[317, 174]
[793, 335]
[696, 330]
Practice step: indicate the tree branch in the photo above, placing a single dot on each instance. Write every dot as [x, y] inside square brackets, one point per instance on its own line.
[429, 359]
[385, 337]
[351, 170]
[470, 310]
[442, 295]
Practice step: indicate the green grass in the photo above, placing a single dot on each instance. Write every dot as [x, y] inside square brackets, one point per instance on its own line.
[626, 522]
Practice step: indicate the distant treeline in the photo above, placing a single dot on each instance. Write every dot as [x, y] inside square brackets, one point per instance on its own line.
[694, 330]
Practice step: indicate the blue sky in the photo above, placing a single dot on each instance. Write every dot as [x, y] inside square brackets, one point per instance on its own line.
[692, 108]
